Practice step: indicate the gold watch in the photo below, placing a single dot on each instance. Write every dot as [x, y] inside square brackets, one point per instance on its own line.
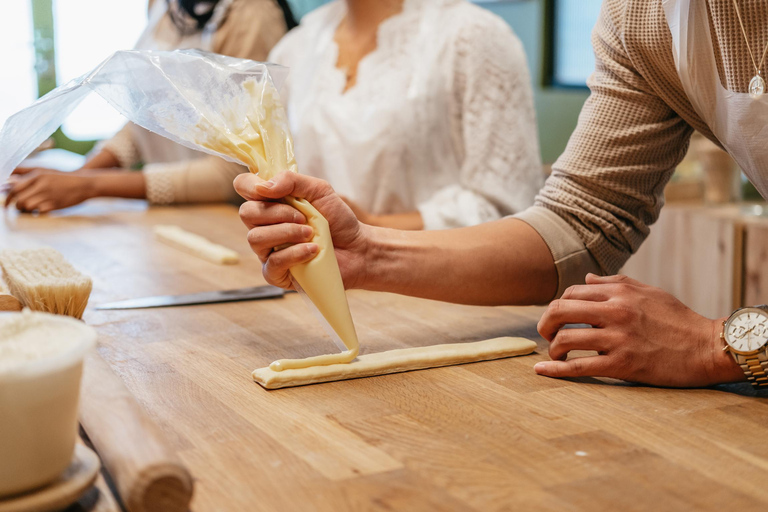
[746, 337]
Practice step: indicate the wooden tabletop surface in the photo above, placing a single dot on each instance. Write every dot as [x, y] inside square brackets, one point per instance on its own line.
[481, 437]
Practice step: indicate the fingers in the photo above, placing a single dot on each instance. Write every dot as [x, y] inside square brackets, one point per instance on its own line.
[563, 312]
[32, 202]
[264, 239]
[595, 292]
[567, 340]
[284, 184]
[23, 170]
[17, 188]
[261, 213]
[594, 366]
[246, 186]
[46, 207]
[276, 268]
[618, 279]
[29, 196]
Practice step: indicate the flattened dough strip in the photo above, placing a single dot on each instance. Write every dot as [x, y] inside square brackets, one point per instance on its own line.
[396, 361]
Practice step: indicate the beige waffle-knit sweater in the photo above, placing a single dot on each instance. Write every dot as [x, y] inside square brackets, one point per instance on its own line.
[607, 188]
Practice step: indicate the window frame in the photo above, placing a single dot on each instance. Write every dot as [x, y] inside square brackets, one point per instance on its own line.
[549, 62]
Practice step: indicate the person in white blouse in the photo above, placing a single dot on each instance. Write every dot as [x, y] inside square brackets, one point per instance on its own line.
[418, 112]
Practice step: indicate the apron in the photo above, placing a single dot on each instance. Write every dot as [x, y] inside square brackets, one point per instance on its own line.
[161, 34]
[739, 122]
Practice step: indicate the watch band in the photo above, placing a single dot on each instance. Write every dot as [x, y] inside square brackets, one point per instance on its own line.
[755, 367]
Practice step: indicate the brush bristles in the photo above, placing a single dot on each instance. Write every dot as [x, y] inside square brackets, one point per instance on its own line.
[43, 280]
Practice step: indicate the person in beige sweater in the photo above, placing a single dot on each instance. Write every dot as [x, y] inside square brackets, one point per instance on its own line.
[664, 69]
[171, 173]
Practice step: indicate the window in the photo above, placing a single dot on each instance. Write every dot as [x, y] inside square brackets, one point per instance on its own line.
[18, 81]
[570, 58]
[86, 32]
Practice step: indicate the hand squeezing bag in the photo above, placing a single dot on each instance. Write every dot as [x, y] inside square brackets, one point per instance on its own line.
[220, 105]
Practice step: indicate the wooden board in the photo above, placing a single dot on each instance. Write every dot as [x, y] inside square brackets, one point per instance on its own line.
[489, 436]
[694, 253]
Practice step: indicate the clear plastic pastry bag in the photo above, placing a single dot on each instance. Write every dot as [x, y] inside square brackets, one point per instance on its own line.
[204, 101]
[170, 93]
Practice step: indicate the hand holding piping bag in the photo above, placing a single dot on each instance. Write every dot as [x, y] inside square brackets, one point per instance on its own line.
[266, 146]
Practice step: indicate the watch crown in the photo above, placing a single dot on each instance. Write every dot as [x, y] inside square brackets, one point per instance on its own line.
[722, 335]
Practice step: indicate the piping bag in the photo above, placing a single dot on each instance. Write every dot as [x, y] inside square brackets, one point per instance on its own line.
[219, 105]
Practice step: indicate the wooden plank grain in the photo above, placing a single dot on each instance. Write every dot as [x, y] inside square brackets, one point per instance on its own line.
[489, 436]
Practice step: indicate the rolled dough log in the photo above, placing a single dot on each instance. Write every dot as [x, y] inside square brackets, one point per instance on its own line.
[196, 245]
[396, 361]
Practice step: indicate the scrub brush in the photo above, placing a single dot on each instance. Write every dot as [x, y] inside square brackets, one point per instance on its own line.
[42, 280]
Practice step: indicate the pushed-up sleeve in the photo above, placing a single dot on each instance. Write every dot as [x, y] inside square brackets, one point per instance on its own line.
[203, 180]
[607, 188]
[123, 147]
[501, 169]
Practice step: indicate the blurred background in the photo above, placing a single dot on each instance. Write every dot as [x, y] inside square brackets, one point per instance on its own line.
[46, 43]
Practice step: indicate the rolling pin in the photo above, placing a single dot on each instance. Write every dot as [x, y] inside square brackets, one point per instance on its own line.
[147, 473]
[7, 301]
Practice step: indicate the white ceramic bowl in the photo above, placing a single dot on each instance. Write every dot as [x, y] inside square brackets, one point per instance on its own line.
[39, 396]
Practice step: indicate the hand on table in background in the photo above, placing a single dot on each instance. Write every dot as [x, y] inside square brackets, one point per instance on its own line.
[641, 334]
[274, 224]
[407, 220]
[44, 190]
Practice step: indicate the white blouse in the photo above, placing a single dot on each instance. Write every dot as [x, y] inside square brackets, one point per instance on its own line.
[440, 119]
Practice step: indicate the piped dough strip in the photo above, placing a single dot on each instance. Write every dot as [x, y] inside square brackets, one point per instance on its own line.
[396, 361]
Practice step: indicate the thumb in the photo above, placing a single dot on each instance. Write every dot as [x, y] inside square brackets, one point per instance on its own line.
[289, 183]
[22, 170]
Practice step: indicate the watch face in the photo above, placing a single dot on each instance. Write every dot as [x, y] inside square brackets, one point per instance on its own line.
[747, 330]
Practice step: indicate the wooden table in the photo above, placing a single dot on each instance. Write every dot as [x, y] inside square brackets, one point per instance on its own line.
[480, 437]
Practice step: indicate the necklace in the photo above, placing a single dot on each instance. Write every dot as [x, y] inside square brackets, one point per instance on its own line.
[757, 84]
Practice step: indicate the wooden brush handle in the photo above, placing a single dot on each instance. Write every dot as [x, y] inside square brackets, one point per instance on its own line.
[147, 473]
[9, 302]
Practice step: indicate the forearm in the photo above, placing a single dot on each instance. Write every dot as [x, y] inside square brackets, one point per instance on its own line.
[127, 184]
[501, 262]
[406, 221]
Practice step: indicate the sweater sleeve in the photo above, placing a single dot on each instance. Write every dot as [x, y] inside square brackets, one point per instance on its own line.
[123, 146]
[501, 169]
[203, 180]
[607, 188]
[251, 29]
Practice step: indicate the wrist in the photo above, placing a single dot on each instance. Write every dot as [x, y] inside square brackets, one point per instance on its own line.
[89, 186]
[377, 261]
[724, 367]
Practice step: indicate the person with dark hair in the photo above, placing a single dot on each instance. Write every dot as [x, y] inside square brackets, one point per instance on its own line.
[171, 173]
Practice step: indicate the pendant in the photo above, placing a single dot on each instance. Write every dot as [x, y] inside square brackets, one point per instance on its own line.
[756, 87]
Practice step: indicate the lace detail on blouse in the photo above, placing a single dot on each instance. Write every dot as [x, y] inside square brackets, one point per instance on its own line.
[440, 120]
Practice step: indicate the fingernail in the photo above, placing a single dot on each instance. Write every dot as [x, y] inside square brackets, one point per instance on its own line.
[267, 184]
[312, 248]
[540, 367]
[307, 231]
